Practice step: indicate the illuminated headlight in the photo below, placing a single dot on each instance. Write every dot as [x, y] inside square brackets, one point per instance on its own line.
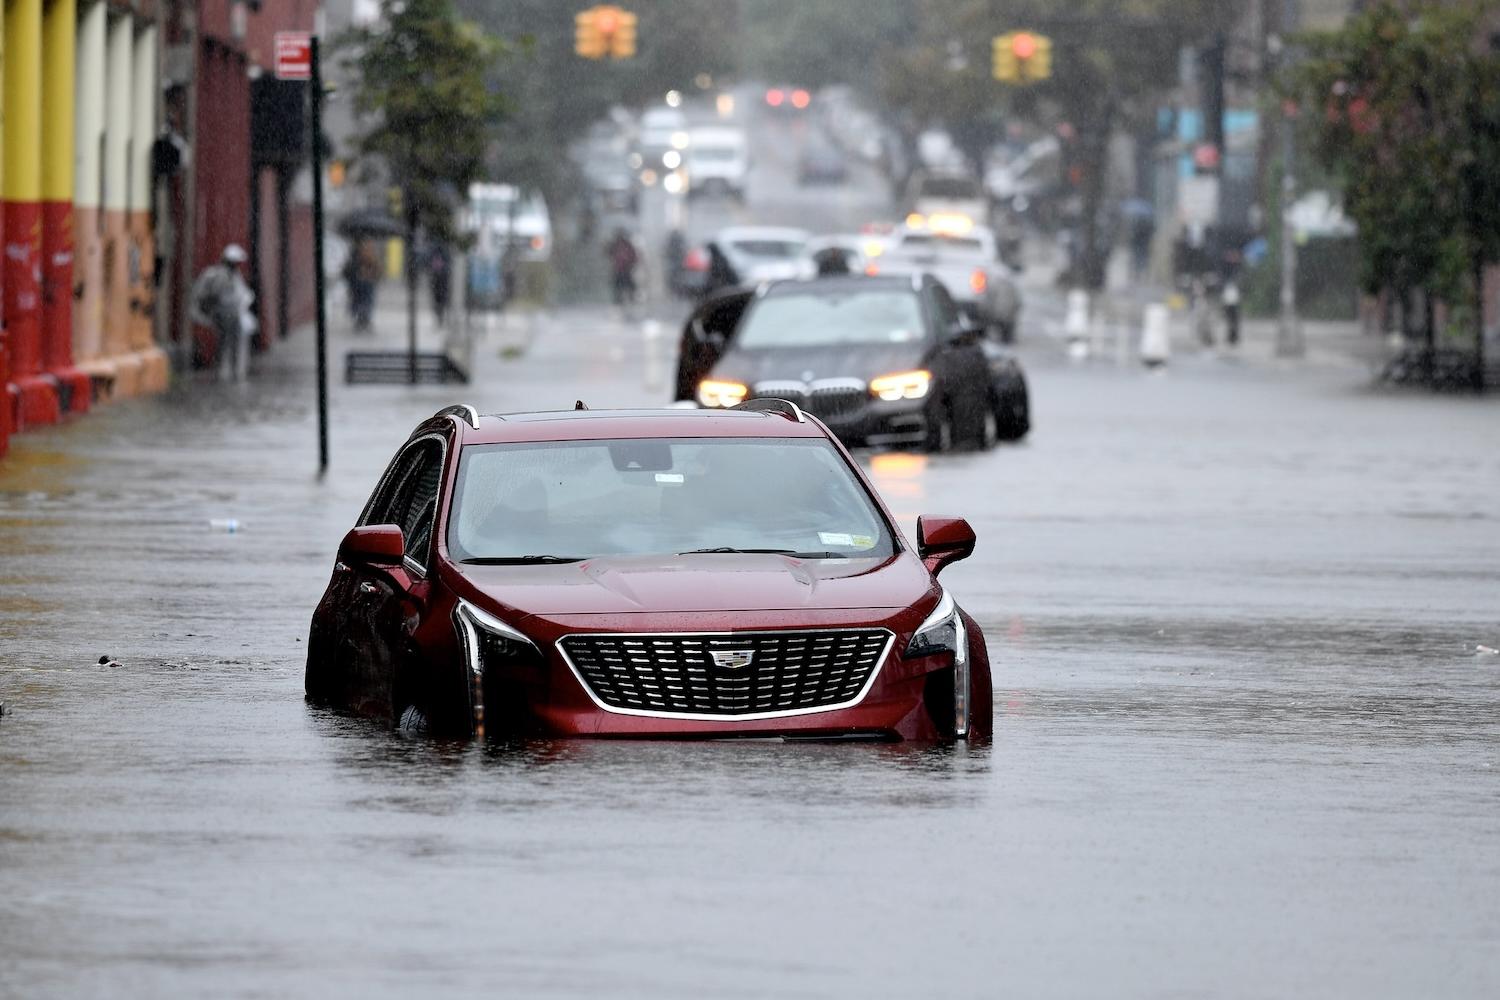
[488, 643]
[943, 631]
[715, 393]
[901, 385]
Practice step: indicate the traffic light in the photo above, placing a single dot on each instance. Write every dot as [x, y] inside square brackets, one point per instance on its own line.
[1022, 57]
[604, 30]
[622, 42]
[587, 41]
[1004, 59]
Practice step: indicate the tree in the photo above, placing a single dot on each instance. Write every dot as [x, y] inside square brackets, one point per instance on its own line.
[1402, 105]
[421, 78]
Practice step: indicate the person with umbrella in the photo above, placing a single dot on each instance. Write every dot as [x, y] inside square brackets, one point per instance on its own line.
[362, 268]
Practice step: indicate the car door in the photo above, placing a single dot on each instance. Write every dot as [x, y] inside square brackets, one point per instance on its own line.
[705, 337]
[959, 365]
[387, 602]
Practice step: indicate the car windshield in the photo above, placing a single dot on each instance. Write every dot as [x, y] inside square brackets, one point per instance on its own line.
[717, 154]
[773, 249]
[884, 316]
[941, 243]
[581, 499]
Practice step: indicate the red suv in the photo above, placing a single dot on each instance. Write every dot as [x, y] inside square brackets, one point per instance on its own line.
[674, 573]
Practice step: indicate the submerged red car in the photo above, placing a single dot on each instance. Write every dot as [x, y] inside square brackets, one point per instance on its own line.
[645, 573]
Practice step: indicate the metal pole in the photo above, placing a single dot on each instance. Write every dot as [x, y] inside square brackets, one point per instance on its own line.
[316, 138]
[1289, 343]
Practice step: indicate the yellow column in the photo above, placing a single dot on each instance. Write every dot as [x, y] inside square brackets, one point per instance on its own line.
[88, 225]
[23, 211]
[59, 28]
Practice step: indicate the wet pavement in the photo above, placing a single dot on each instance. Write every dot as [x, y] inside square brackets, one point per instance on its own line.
[1247, 741]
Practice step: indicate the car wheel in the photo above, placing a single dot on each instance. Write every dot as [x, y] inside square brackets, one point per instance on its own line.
[940, 428]
[1013, 414]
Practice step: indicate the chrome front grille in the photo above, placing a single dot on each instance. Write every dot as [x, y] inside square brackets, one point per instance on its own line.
[835, 400]
[706, 674]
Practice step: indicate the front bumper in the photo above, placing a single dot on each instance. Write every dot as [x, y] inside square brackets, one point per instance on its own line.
[854, 416]
[547, 696]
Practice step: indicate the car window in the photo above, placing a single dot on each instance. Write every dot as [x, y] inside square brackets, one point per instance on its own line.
[777, 249]
[950, 187]
[660, 497]
[924, 242]
[408, 498]
[879, 316]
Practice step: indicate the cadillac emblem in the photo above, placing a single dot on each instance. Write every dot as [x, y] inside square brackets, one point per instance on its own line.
[732, 659]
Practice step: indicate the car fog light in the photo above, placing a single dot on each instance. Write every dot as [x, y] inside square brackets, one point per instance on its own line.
[901, 385]
[718, 394]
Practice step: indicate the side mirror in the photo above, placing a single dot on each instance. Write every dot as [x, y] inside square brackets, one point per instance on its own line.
[943, 540]
[373, 544]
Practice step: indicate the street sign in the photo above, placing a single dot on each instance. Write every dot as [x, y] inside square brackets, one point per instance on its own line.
[293, 55]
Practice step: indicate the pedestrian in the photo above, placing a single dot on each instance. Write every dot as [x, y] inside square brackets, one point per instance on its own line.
[440, 271]
[221, 301]
[674, 252]
[1231, 301]
[362, 273]
[623, 258]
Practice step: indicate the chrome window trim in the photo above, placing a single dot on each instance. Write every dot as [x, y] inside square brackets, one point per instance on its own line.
[885, 653]
[420, 569]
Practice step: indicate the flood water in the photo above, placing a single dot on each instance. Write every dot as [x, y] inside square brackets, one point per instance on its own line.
[1247, 740]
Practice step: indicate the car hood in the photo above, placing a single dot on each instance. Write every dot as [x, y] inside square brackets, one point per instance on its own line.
[805, 364]
[702, 583]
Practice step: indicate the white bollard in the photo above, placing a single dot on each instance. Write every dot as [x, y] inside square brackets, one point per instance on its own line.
[1156, 340]
[1076, 324]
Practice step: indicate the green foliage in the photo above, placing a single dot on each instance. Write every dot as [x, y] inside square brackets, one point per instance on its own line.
[1402, 105]
[421, 79]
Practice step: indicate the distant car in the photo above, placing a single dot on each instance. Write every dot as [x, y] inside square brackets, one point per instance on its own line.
[822, 164]
[747, 255]
[718, 161]
[662, 131]
[504, 219]
[967, 260]
[880, 360]
[645, 573]
[946, 198]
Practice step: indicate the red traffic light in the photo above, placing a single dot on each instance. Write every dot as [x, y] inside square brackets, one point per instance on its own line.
[1023, 45]
[606, 20]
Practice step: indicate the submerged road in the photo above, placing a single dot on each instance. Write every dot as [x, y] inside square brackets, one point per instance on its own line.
[1247, 739]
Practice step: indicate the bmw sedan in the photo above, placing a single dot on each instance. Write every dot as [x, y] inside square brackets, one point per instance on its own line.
[880, 360]
[656, 573]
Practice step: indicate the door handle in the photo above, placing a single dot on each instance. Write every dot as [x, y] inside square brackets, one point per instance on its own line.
[368, 588]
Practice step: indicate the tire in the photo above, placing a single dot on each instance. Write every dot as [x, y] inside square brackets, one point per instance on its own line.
[940, 428]
[989, 429]
[1013, 413]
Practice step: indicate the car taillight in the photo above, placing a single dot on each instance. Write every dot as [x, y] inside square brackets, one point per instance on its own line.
[695, 260]
[872, 270]
[775, 96]
[536, 242]
[801, 98]
[979, 281]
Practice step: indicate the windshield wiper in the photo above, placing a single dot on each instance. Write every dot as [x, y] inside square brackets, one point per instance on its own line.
[775, 552]
[519, 560]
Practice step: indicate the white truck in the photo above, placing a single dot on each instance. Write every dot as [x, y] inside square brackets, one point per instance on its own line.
[718, 161]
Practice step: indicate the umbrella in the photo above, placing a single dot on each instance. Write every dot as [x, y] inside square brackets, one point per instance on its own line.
[370, 222]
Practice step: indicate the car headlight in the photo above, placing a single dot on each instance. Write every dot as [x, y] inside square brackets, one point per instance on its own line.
[943, 631]
[712, 392]
[901, 385]
[488, 643]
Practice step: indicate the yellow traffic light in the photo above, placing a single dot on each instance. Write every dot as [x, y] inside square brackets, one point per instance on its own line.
[1005, 67]
[588, 41]
[1039, 66]
[622, 42]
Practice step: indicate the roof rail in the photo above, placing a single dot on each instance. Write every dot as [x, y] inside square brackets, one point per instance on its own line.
[771, 404]
[462, 410]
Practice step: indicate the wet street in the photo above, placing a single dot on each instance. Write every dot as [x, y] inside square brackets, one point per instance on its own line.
[1247, 740]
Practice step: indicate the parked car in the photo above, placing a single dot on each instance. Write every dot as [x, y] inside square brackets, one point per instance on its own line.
[617, 573]
[968, 262]
[886, 360]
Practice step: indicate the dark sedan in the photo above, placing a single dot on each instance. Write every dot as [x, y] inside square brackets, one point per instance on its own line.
[879, 360]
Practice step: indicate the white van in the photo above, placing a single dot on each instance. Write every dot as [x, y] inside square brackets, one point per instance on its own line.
[718, 161]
